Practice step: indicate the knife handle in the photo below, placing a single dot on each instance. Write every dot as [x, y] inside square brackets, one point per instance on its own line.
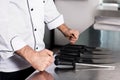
[69, 59]
[62, 62]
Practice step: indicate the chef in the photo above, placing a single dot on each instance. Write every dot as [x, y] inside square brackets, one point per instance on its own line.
[22, 24]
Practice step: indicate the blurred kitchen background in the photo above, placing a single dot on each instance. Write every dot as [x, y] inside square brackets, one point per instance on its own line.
[97, 20]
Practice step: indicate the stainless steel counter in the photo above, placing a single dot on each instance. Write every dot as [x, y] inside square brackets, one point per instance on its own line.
[83, 74]
[105, 39]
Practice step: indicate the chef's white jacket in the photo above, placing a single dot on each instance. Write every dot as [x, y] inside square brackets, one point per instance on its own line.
[22, 23]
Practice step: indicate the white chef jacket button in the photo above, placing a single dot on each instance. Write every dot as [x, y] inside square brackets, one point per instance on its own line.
[35, 29]
[36, 47]
[32, 9]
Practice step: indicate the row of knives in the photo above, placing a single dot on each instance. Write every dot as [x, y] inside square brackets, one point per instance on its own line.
[82, 55]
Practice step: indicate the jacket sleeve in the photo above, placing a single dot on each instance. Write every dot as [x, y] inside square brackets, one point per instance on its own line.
[10, 41]
[52, 17]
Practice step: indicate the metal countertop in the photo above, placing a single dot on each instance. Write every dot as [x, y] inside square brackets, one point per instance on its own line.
[104, 39]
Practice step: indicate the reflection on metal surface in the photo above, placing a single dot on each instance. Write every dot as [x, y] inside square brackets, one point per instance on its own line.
[100, 38]
[110, 40]
[41, 76]
[76, 75]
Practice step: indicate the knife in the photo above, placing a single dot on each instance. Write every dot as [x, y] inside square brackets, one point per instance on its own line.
[83, 51]
[84, 55]
[84, 47]
[81, 65]
[84, 60]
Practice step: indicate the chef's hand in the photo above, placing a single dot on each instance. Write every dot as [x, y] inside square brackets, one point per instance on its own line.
[40, 60]
[71, 34]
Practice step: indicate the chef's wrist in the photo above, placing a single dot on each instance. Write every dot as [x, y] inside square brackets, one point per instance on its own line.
[64, 29]
[26, 52]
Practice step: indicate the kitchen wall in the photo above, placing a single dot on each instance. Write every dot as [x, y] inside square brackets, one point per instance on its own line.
[78, 14]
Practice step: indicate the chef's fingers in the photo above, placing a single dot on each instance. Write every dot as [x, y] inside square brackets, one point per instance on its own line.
[50, 62]
[50, 53]
[73, 41]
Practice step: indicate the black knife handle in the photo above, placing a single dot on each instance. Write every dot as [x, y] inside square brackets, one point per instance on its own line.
[64, 58]
[60, 62]
[69, 54]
